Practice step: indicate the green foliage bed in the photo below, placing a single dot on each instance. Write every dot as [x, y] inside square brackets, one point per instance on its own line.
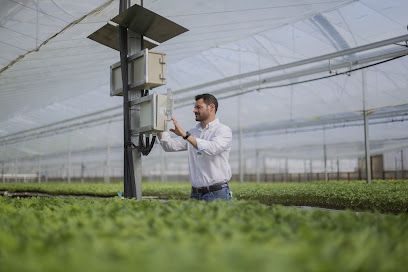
[56, 234]
[381, 195]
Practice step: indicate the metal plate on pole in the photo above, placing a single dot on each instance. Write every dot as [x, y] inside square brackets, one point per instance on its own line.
[149, 24]
[108, 35]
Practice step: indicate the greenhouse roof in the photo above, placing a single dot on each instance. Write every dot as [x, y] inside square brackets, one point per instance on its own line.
[287, 74]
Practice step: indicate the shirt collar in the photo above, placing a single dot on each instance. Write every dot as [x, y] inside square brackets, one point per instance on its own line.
[209, 125]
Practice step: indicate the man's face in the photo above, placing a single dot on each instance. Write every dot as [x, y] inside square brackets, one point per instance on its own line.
[201, 110]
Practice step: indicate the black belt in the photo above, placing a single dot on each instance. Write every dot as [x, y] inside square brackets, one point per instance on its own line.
[212, 188]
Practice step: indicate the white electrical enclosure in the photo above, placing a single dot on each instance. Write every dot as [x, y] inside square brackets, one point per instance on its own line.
[153, 114]
[147, 70]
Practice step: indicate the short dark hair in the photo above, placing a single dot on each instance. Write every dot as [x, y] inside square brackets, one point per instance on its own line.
[208, 99]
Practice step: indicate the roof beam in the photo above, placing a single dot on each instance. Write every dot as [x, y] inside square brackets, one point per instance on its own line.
[342, 53]
[305, 72]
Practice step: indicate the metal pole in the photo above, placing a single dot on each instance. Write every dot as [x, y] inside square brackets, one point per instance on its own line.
[82, 172]
[258, 172]
[241, 168]
[37, 25]
[264, 169]
[286, 169]
[39, 169]
[331, 168]
[107, 173]
[402, 165]
[16, 171]
[135, 45]
[311, 170]
[325, 155]
[366, 137]
[69, 166]
[128, 177]
[305, 170]
[130, 43]
[240, 151]
[2, 173]
[338, 169]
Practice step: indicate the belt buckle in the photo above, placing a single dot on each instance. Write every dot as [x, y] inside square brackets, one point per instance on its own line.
[202, 190]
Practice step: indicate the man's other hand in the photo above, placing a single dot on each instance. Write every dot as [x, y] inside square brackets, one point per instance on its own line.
[177, 128]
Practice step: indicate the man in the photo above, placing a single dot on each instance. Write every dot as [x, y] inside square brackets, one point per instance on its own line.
[208, 145]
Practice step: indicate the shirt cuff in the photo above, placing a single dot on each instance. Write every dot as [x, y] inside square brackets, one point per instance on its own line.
[201, 144]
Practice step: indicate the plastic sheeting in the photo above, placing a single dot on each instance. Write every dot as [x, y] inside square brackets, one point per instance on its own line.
[54, 82]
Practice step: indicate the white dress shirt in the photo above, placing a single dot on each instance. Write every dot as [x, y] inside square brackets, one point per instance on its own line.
[209, 163]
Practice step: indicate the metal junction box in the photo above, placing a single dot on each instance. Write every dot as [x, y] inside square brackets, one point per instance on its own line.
[147, 70]
[153, 114]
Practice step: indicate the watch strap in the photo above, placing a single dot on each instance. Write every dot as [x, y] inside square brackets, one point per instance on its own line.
[187, 135]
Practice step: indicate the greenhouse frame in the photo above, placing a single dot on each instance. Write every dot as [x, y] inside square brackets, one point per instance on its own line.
[294, 79]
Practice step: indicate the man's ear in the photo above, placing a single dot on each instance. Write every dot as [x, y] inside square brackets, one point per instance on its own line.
[212, 106]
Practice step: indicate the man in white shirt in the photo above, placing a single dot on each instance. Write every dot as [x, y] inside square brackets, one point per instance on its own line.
[208, 146]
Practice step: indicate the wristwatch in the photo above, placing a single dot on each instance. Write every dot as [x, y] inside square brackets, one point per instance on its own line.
[187, 135]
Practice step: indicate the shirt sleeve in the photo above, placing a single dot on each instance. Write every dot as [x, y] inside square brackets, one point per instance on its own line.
[218, 144]
[171, 145]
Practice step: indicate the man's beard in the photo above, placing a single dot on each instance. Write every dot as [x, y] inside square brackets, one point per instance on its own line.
[201, 117]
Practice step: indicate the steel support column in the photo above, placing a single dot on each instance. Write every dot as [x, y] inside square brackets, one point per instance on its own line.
[2, 173]
[402, 164]
[240, 159]
[258, 174]
[265, 169]
[39, 169]
[325, 155]
[338, 169]
[135, 41]
[366, 137]
[69, 166]
[305, 171]
[82, 172]
[130, 43]
[16, 171]
[240, 148]
[107, 167]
